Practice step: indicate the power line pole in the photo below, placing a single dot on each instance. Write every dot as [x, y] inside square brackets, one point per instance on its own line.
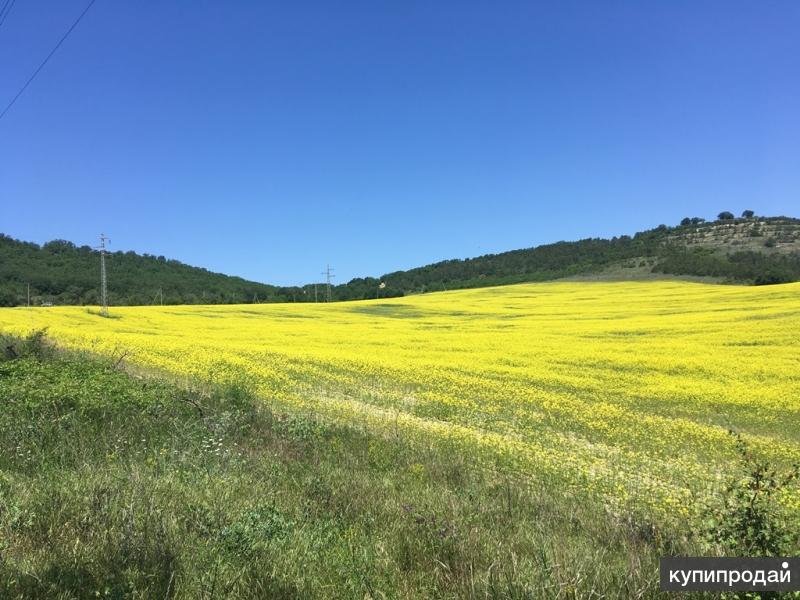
[29, 295]
[103, 291]
[328, 272]
[315, 292]
[161, 295]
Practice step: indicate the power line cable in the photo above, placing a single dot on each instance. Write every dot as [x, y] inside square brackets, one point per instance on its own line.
[3, 12]
[44, 62]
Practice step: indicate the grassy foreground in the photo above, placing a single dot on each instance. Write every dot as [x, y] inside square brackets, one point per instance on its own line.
[115, 486]
[534, 441]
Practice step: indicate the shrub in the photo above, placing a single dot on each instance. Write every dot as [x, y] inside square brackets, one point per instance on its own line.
[748, 519]
[254, 529]
[35, 345]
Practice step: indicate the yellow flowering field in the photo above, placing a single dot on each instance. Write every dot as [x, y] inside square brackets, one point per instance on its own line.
[625, 390]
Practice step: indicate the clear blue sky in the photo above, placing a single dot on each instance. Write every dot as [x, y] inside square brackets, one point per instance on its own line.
[264, 139]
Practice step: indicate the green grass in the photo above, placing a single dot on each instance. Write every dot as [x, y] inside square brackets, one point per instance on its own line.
[118, 486]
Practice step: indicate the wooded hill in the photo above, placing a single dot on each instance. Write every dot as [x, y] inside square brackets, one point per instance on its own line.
[758, 250]
[62, 273]
[750, 249]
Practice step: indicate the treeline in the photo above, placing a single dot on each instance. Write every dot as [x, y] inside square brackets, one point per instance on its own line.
[755, 267]
[563, 259]
[62, 273]
[551, 261]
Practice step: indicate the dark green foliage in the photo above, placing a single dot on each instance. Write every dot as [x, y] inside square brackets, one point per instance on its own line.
[756, 267]
[541, 263]
[564, 259]
[255, 528]
[34, 345]
[725, 216]
[747, 520]
[64, 274]
[748, 214]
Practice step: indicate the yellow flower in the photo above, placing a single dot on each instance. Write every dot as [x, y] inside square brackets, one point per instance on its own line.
[625, 390]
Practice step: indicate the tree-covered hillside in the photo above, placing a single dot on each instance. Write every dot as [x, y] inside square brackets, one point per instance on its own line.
[750, 249]
[62, 273]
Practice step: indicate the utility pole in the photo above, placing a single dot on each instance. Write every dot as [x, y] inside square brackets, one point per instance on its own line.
[29, 295]
[103, 291]
[328, 272]
[315, 292]
[161, 296]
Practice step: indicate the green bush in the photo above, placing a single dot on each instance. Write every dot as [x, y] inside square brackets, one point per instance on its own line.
[33, 345]
[747, 519]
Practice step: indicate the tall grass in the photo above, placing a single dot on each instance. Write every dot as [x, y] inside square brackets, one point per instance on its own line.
[116, 486]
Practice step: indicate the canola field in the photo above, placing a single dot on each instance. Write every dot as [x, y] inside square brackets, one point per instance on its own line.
[624, 391]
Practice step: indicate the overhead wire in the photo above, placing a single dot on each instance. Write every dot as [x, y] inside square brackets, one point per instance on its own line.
[6, 9]
[47, 58]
